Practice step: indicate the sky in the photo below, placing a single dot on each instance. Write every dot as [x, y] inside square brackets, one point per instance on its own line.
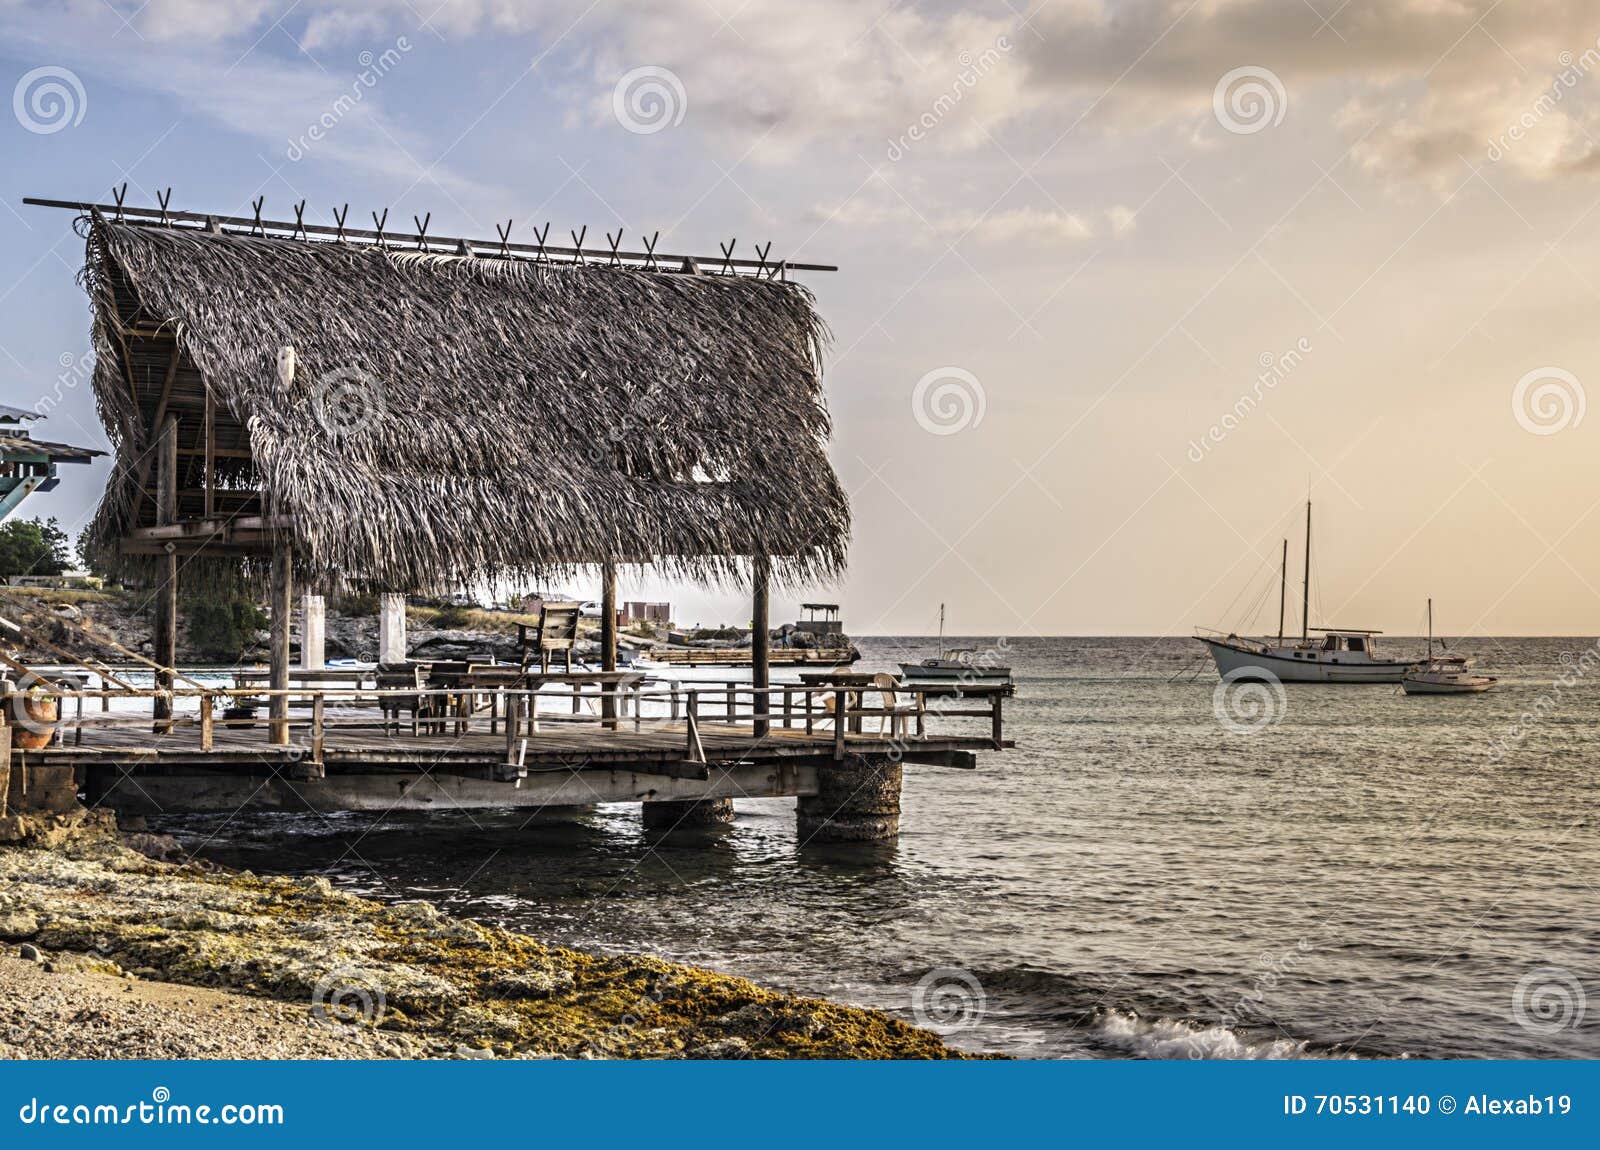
[1120, 284]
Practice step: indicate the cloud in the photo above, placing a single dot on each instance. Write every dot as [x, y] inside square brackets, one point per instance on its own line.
[1417, 84]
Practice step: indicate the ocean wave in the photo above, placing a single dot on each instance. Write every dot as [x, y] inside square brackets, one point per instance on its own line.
[1172, 1038]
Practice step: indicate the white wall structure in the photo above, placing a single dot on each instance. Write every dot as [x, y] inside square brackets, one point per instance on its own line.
[392, 629]
[313, 633]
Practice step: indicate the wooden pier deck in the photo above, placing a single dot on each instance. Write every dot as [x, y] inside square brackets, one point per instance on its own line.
[337, 751]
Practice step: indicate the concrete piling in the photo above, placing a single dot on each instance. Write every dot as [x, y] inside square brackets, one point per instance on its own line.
[857, 800]
[665, 815]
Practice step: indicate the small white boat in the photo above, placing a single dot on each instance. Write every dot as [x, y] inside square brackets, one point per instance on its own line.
[1346, 655]
[1444, 674]
[954, 663]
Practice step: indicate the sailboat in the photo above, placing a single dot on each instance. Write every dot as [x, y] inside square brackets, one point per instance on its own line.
[1444, 675]
[1339, 655]
[953, 663]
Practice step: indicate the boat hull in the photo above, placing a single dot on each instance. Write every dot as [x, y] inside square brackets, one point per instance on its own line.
[1242, 663]
[1414, 686]
[919, 671]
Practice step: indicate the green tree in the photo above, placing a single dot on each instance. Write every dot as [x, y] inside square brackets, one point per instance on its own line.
[33, 547]
[223, 623]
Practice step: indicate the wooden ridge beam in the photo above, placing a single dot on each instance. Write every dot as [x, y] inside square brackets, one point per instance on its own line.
[245, 225]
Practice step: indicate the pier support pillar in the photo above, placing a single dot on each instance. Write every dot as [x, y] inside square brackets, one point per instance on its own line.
[608, 640]
[690, 813]
[857, 800]
[279, 608]
[760, 646]
[313, 633]
[391, 629]
[166, 622]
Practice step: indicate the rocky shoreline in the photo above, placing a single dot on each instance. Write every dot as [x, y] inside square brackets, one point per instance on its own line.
[116, 941]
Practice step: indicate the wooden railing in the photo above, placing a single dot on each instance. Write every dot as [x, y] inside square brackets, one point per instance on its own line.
[517, 714]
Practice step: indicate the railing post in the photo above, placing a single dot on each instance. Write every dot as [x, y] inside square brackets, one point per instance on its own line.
[694, 752]
[513, 729]
[206, 719]
[318, 703]
[841, 707]
[995, 727]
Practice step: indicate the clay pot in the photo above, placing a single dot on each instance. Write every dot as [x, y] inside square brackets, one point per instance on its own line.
[41, 710]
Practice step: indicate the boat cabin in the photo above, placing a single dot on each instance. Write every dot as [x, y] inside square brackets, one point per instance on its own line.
[1354, 642]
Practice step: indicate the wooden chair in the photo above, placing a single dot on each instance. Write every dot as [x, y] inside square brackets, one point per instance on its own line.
[557, 634]
[402, 677]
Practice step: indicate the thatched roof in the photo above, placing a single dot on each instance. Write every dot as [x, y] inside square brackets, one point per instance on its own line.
[451, 417]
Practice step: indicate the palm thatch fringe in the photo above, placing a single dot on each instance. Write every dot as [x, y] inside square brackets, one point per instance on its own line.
[450, 418]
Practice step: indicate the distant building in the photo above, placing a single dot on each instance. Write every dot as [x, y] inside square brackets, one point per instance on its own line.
[640, 612]
[67, 579]
[821, 619]
[28, 464]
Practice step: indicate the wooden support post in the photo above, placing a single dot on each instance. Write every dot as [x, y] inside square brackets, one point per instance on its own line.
[760, 647]
[207, 719]
[694, 751]
[996, 729]
[318, 710]
[513, 722]
[166, 629]
[608, 642]
[5, 763]
[280, 607]
[209, 480]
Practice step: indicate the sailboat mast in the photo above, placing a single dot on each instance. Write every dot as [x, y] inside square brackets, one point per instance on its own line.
[941, 625]
[1305, 596]
[1283, 588]
[1430, 627]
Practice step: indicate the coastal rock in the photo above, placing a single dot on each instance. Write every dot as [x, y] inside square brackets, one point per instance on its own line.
[723, 1049]
[29, 953]
[18, 925]
[532, 984]
[160, 847]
